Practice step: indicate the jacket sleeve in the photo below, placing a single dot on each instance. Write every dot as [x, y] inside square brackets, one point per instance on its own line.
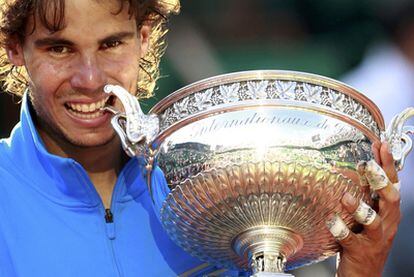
[159, 189]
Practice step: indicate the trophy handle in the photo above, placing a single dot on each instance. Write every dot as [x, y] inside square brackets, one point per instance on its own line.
[135, 129]
[139, 128]
[397, 135]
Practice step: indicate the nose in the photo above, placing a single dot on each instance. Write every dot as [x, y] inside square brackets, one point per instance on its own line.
[89, 75]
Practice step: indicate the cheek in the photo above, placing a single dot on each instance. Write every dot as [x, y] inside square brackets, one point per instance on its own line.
[42, 100]
[124, 70]
[46, 77]
[45, 82]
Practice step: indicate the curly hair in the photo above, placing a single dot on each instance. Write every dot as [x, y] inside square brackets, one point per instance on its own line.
[14, 15]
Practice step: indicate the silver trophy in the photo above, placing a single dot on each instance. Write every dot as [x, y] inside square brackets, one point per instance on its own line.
[256, 162]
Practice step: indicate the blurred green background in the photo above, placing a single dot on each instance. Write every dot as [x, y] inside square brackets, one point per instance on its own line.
[327, 37]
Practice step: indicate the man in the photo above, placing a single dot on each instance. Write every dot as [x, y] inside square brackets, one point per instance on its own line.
[72, 204]
[77, 205]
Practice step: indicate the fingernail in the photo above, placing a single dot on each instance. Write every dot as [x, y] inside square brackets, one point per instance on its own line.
[349, 200]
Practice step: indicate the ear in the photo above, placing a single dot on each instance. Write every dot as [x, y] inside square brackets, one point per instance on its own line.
[14, 50]
[144, 34]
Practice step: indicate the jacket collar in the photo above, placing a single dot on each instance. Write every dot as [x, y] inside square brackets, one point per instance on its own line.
[63, 179]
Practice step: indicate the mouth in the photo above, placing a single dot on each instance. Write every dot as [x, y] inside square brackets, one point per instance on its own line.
[89, 110]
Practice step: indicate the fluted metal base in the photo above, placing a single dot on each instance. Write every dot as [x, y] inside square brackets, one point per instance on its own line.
[225, 215]
[267, 248]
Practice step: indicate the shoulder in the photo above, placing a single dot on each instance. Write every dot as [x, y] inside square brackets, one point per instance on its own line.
[6, 155]
[11, 170]
[9, 174]
[5, 162]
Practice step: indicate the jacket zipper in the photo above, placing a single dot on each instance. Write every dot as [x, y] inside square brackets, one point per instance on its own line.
[108, 216]
[110, 228]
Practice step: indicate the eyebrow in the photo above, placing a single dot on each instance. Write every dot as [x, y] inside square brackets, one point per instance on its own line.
[52, 41]
[42, 42]
[118, 36]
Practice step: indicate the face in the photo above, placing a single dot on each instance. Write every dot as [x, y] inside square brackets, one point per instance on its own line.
[69, 68]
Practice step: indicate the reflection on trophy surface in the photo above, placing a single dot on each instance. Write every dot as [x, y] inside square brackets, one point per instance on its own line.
[256, 162]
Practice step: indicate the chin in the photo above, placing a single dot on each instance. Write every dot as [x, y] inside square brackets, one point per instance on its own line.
[92, 140]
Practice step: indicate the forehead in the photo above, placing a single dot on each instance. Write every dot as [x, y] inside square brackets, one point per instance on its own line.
[84, 18]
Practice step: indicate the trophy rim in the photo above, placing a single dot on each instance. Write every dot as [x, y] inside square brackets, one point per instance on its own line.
[271, 74]
[264, 104]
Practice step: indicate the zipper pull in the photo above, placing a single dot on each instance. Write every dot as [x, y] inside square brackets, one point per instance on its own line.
[109, 217]
[110, 226]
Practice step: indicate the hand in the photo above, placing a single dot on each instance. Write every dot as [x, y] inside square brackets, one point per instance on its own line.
[365, 253]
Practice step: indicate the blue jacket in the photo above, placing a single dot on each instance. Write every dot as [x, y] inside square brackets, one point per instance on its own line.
[52, 220]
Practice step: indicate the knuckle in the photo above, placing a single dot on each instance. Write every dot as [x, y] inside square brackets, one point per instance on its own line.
[395, 199]
[347, 242]
[377, 226]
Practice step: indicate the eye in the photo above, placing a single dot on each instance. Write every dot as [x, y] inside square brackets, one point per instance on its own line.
[59, 50]
[111, 44]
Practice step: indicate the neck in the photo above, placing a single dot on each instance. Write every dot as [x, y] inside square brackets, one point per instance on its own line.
[102, 163]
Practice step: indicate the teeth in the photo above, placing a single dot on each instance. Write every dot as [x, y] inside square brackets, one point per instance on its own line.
[87, 108]
[86, 115]
[92, 107]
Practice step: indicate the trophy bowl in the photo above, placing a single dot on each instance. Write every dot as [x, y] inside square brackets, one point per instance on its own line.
[257, 161]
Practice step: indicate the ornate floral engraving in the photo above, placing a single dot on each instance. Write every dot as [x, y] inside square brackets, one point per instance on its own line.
[312, 93]
[230, 93]
[337, 100]
[181, 108]
[257, 90]
[216, 97]
[356, 109]
[365, 117]
[168, 118]
[268, 89]
[203, 100]
[285, 89]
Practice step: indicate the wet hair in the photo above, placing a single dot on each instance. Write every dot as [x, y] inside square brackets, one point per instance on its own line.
[14, 15]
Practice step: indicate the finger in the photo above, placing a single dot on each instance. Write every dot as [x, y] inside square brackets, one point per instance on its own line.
[338, 228]
[379, 181]
[397, 186]
[341, 232]
[375, 147]
[390, 194]
[387, 162]
[376, 176]
[361, 167]
[364, 215]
